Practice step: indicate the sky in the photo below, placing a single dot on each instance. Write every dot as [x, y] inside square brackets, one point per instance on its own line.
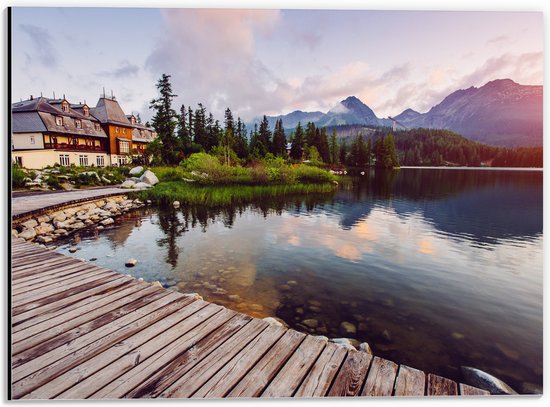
[269, 61]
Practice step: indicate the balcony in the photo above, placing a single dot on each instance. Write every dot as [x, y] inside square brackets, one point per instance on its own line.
[75, 147]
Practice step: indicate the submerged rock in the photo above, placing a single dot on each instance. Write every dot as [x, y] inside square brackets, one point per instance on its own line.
[483, 380]
[345, 342]
[531, 388]
[386, 335]
[131, 262]
[508, 352]
[347, 328]
[457, 335]
[311, 323]
[274, 321]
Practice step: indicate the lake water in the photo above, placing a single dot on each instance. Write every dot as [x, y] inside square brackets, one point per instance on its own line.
[434, 268]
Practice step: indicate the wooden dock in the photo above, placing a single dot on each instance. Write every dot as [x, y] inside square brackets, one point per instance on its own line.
[81, 331]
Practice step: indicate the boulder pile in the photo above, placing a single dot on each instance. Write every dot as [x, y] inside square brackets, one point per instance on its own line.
[146, 180]
[45, 228]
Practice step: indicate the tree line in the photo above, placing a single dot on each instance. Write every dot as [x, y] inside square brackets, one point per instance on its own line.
[193, 130]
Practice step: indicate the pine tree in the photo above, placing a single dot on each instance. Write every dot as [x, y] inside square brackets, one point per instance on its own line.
[257, 147]
[323, 147]
[334, 156]
[183, 130]
[165, 121]
[199, 126]
[279, 139]
[241, 142]
[265, 135]
[343, 153]
[228, 137]
[297, 147]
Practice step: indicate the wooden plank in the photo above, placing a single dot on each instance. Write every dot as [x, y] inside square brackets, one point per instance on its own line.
[44, 341]
[285, 383]
[54, 300]
[137, 377]
[351, 376]
[234, 370]
[319, 379]
[78, 275]
[381, 378]
[216, 357]
[37, 260]
[170, 374]
[69, 319]
[70, 268]
[39, 315]
[259, 377]
[47, 270]
[410, 382]
[117, 281]
[27, 377]
[193, 315]
[58, 288]
[466, 390]
[440, 386]
[71, 377]
[37, 268]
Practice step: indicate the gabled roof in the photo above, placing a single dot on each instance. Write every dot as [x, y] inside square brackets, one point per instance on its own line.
[109, 111]
[143, 134]
[27, 122]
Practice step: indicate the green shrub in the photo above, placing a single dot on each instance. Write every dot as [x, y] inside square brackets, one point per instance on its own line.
[18, 176]
[308, 174]
[53, 182]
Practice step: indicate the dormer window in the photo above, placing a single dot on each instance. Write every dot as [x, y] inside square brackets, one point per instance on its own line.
[65, 106]
[96, 126]
[86, 110]
[59, 120]
[78, 124]
[133, 119]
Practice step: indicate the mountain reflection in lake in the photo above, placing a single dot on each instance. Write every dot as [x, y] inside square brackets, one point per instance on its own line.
[434, 268]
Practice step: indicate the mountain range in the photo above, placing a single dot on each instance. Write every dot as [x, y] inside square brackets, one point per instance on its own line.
[501, 112]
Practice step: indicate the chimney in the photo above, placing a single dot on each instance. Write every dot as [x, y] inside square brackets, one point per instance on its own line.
[31, 98]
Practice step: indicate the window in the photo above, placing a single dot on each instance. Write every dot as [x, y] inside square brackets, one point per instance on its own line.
[116, 129]
[123, 146]
[78, 124]
[83, 160]
[19, 161]
[64, 160]
[96, 126]
[59, 120]
[86, 110]
[100, 161]
[65, 106]
[123, 131]
[133, 120]
[121, 160]
[33, 141]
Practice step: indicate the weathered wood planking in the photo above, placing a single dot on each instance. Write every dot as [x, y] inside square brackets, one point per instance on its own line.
[352, 374]
[169, 379]
[81, 331]
[321, 375]
[381, 378]
[234, 370]
[261, 374]
[291, 375]
[140, 377]
[217, 357]
[440, 386]
[64, 381]
[410, 382]
[466, 390]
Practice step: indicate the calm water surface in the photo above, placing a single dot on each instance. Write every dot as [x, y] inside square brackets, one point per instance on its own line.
[435, 268]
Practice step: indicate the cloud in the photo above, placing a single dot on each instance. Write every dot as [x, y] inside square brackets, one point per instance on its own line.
[501, 39]
[211, 55]
[42, 42]
[125, 70]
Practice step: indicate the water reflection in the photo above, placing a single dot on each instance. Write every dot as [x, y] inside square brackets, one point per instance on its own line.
[434, 268]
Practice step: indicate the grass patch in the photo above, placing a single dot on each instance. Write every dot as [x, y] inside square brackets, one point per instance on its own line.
[165, 193]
